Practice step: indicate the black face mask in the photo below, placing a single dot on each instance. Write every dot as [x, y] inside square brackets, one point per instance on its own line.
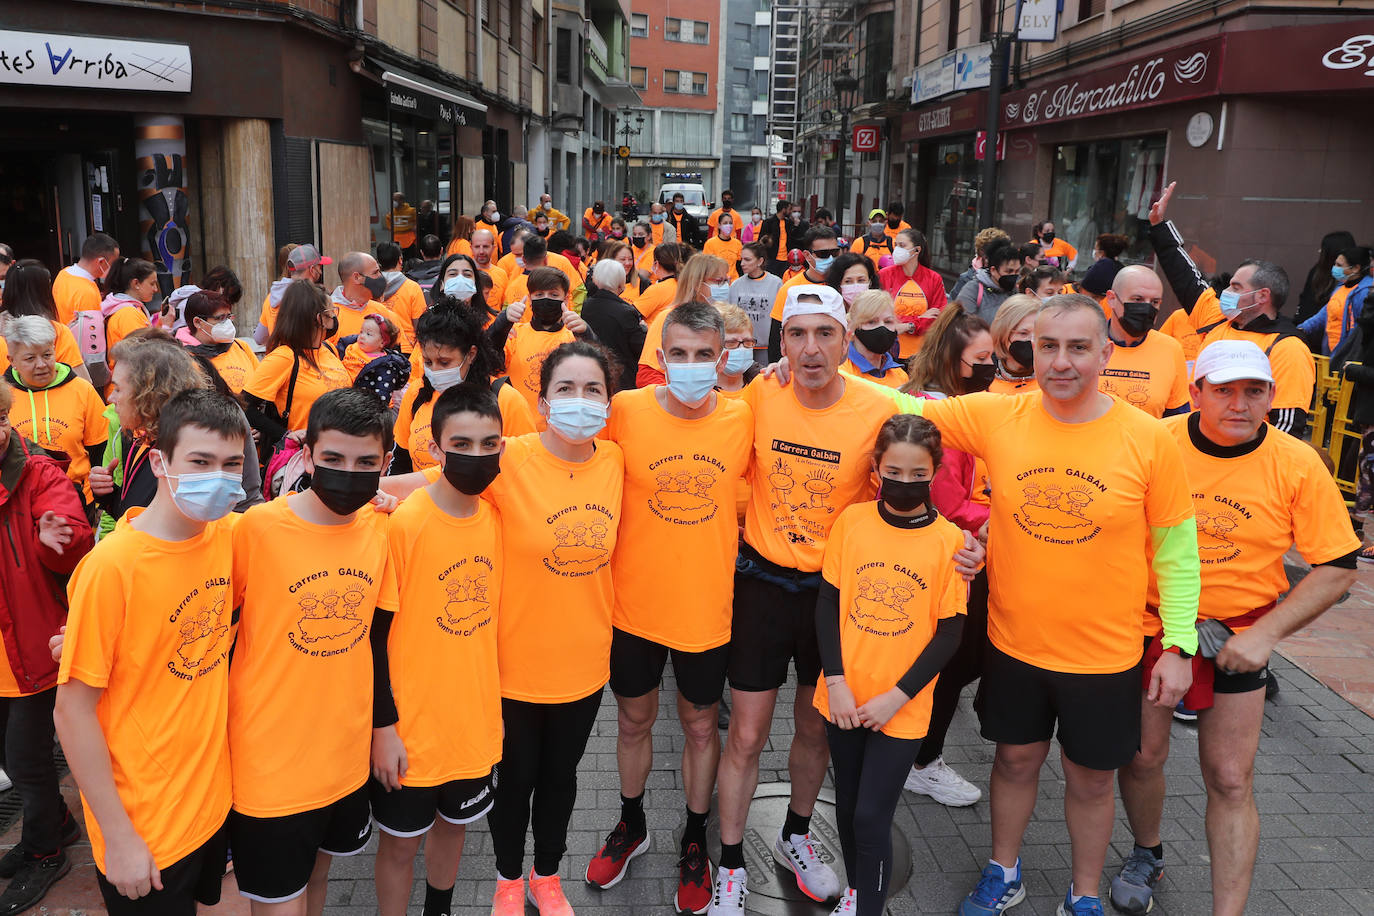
[1048, 238]
[639, 241]
[1137, 317]
[331, 326]
[876, 340]
[983, 374]
[344, 492]
[542, 232]
[546, 314]
[904, 496]
[1007, 283]
[471, 474]
[376, 286]
[1023, 352]
[894, 221]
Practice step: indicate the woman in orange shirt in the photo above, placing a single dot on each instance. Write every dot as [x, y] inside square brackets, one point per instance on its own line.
[459, 242]
[1013, 335]
[1054, 250]
[210, 332]
[132, 283]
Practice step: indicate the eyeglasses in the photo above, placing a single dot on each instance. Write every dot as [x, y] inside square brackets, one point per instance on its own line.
[827, 253]
[331, 311]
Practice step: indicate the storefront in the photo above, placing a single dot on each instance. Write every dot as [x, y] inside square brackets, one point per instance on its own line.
[941, 177]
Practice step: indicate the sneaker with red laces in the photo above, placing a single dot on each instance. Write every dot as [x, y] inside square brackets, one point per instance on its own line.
[509, 899]
[547, 896]
[693, 891]
[608, 867]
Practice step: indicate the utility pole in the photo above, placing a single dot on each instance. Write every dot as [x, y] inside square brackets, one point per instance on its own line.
[845, 85]
[997, 66]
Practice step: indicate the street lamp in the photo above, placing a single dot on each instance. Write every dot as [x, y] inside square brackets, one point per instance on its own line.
[845, 84]
[626, 132]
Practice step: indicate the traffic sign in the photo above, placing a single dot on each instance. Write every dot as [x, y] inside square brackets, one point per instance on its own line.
[865, 139]
[623, 152]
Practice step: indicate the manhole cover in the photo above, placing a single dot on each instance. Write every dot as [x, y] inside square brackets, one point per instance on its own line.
[772, 888]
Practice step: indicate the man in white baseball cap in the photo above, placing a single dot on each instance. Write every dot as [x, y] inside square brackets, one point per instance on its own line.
[1255, 492]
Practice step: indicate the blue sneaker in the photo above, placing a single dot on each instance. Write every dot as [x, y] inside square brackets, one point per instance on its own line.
[993, 894]
[1086, 906]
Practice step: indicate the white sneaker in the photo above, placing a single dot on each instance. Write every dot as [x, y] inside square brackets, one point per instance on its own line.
[731, 889]
[944, 785]
[815, 879]
[5, 782]
[848, 905]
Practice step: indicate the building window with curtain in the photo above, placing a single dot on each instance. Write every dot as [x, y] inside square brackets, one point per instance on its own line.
[639, 25]
[1106, 186]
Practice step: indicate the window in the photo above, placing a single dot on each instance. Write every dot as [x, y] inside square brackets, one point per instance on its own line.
[874, 61]
[537, 56]
[698, 84]
[952, 22]
[563, 56]
[739, 76]
[513, 21]
[685, 133]
[687, 30]
[1107, 186]
[639, 25]
[739, 123]
[1090, 8]
[686, 82]
[486, 12]
[639, 77]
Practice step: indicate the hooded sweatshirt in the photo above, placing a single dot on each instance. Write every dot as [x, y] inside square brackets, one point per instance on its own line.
[983, 297]
[64, 418]
[269, 309]
[123, 315]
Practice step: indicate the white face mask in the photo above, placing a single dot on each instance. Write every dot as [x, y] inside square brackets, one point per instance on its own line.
[224, 332]
[901, 255]
[444, 379]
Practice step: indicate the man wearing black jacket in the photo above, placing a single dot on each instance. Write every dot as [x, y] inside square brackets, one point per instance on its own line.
[685, 223]
[781, 228]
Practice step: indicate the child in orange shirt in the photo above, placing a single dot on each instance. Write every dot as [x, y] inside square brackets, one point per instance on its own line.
[889, 615]
[377, 335]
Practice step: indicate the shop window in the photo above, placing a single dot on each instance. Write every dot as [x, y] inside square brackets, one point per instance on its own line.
[563, 56]
[952, 204]
[639, 25]
[639, 77]
[1106, 186]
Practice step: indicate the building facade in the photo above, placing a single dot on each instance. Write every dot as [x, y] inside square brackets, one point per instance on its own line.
[1127, 97]
[748, 65]
[676, 62]
[199, 135]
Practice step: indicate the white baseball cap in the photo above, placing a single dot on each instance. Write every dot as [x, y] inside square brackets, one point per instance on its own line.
[820, 300]
[1231, 361]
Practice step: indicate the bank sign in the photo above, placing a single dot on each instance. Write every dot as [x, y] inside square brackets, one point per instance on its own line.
[87, 62]
[1190, 72]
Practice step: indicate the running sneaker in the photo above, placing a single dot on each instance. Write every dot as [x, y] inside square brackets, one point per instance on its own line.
[941, 783]
[1086, 906]
[731, 889]
[608, 867]
[1184, 714]
[509, 899]
[5, 782]
[547, 896]
[1133, 887]
[815, 879]
[993, 894]
[33, 881]
[693, 873]
[10, 861]
[848, 905]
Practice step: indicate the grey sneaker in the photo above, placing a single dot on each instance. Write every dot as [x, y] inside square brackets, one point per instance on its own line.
[1134, 886]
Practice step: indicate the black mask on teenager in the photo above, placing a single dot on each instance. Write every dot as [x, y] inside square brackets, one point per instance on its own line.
[344, 492]
[1007, 283]
[1023, 351]
[471, 474]
[877, 340]
[904, 496]
[331, 326]
[1047, 238]
[1137, 317]
[983, 374]
[638, 241]
[545, 314]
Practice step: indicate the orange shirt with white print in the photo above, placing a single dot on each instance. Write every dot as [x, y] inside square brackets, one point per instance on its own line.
[1250, 509]
[1151, 375]
[680, 486]
[809, 465]
[895, 586]
[525, 352]
[300, 689]
[413, 431]
[236, 364]
[1290, 359]
[1074, 506]
[65, 347]
[271, 381]
[65, 419]
[151, 626]
[74, 292]
[442, 645]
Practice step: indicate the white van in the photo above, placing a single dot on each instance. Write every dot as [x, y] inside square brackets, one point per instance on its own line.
[694, 195]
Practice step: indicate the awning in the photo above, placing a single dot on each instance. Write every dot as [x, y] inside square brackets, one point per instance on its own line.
[418, 96]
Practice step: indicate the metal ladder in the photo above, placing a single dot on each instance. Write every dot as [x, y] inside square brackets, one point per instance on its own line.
[782, 100]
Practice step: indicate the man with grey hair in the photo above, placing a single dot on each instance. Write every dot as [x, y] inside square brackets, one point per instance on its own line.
[1247, 310]
[361, 287]
[660, 230]
[686, 448]
[616, 322]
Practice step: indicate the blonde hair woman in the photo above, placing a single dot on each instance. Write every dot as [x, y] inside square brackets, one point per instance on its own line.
[872, 334]
[1013, 340]
[700, 280]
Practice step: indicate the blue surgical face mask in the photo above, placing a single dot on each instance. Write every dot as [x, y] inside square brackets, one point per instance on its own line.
[719, 291]
[1229, 302]
[444, 379]
[738, 360]
[460, 287]
[206, 496]
[823, 264]
[1337, 273]
[576, 419]
[691, 383]
[657, 217]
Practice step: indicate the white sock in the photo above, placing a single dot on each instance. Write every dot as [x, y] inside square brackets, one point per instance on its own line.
[1009, 874]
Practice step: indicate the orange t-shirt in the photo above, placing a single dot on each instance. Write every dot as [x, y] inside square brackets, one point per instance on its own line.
[356, 359]
[1250, 509]
[74, 294]
[894, 378]
[559, 524]
[516, 285]
[656, 298]
[272, 377]
[121, 324]
[64, 347]
[300, 689]
[728, 250]
[407, 304]
[808, 466]
[525, 352]
[895, 586]
[1179, 328]
[499, 281]
[1058, 249]
[910, 303]
[871, 249]
[713, 220]
[644, 257]
[151, 625]
[680, 479]
[66, 419]
[892, 233]
[780, 300]
[351, 319]
[1151, 375]
[656, 232]
[1004, 385]
[236, 364]
[458, 246]
[1295, 372]
[442, 645]
[601, 224]
[413, 432]
[742, 490]
[1074, 508]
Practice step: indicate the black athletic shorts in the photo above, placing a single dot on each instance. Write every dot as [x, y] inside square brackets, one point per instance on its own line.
[773, 624]
[194, 878]
[1098, 714]
[274, 856]
[637, 667]
[410, 810]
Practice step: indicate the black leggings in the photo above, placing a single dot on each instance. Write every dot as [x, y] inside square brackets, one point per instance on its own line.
[27, 758]
[543, 745]
[965, 667]
[870, 769]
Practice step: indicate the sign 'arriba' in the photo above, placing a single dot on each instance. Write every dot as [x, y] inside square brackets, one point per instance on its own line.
[1176, 75]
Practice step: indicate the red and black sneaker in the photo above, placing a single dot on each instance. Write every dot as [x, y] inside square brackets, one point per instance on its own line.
[608, 867]
[693, 887]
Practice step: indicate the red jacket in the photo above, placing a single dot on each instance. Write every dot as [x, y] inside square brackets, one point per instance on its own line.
[894, 278]
[951, 489]
[33, 598]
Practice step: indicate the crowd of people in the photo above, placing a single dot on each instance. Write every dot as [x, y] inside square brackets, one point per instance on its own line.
[351, 566]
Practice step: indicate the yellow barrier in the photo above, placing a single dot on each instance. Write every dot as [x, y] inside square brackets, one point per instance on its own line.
[1330, 430]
